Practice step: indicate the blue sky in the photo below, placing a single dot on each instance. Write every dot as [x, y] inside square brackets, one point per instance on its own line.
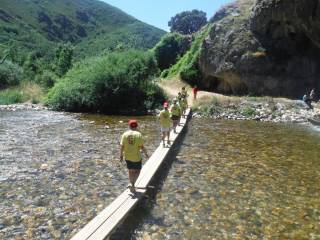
[159, 12]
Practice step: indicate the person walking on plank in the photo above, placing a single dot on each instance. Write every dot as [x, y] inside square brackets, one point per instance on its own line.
[165, 123]
[183, 103]
[175, 114]
[184, 92]
[130, 146]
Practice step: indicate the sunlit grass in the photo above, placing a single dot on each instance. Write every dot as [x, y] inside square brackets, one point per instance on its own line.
[25, 92]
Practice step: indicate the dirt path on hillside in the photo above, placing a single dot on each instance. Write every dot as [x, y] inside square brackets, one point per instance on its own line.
[173, 86]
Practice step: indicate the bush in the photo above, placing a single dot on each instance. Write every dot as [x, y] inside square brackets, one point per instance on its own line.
[165, 73]
[46, 79]
[10, 74]
[248, 112]
[116, 83]
[10, 96]
[190, 74]
[171, 46]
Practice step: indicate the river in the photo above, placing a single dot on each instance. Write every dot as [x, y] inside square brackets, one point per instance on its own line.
[229, 179]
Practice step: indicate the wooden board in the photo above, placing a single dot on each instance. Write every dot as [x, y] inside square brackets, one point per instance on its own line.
[113, 215]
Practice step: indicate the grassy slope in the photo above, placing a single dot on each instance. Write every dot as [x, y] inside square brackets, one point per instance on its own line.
[84, 22]
[190, 58]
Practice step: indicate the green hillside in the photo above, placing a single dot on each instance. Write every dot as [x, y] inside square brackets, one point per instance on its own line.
[91, 25]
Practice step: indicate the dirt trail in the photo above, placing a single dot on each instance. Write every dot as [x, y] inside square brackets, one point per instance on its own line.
[173, 86]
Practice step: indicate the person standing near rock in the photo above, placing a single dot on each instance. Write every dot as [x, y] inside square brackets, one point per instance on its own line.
[165, 123]
[195, 91]
[307, 100]
[313, 95]
[130, 146]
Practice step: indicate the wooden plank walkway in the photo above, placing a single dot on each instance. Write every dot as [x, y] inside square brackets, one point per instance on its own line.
[113, 215]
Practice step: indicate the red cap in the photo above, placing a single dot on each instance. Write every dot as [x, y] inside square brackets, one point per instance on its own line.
[165, 104]
[133, 123]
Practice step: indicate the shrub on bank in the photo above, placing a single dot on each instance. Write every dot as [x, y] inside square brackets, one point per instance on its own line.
[115, 83]
[24, 92]
[248, 112]
[170, 48]
[10, 74]
[46, 79]
[10, 96]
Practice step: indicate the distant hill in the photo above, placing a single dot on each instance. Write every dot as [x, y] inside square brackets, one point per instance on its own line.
[91, 25]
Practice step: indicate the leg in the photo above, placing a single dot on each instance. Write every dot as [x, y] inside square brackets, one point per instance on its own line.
[168, 135]
[175, 123]
[132, 178]
[163, 137]
[136, 175]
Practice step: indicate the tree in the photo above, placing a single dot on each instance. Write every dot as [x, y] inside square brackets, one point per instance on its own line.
[170, 48]
[63, 60]
[188, 22]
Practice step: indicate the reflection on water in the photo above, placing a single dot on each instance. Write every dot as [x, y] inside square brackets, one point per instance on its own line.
[240, 180]
[230, 180]
[57, 172]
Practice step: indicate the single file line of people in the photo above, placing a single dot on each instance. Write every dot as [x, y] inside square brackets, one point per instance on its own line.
[132, 143]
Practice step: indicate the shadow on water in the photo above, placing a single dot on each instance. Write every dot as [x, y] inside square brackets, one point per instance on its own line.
[143, 209]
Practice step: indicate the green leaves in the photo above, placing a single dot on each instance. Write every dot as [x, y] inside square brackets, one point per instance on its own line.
[63, 59]
[115, 83]
[10, 74]
[188, 22]
[171, 46]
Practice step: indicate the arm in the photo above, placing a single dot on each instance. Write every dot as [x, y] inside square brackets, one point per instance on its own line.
[121, 152]
[145, 151]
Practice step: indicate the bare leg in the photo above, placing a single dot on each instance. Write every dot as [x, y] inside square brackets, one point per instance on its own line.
[175, 123]
[136, 174]
[163, 137]
[133, 176]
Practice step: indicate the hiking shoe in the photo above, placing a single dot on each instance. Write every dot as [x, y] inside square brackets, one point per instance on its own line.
[132, 189]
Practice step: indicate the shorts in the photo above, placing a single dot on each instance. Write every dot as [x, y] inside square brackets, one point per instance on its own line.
[175, 118]
[165, 129]
[134, 165]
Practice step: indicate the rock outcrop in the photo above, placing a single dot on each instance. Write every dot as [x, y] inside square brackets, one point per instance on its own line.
[263, 47]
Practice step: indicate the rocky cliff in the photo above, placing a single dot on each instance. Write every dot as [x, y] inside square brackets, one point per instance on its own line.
[263, 47]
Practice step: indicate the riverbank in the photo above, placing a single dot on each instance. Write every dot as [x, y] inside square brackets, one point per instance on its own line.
[218, 106]
[264, 109]
[23, 106]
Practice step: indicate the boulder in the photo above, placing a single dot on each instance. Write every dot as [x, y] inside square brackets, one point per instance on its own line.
[263, 47]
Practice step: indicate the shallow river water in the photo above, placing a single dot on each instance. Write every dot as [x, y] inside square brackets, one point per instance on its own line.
[229, 179]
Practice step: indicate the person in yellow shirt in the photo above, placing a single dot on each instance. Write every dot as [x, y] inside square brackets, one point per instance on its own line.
[183, 103]
[175, 114]
[130, 146]
[165, 123]
[184, 92]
